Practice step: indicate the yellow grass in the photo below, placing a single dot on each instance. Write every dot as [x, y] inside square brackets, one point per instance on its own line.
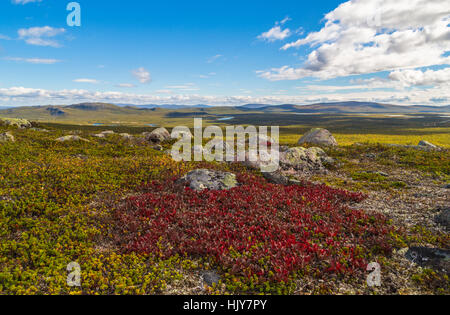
[438, 136]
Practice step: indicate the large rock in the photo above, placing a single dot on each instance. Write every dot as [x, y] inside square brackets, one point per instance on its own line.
[71, 138]
[299, 158]
[318, 136]
[436, 258]
[207, 179]
[20, 123]
[443, 218]
[6, 137]
[157, 135]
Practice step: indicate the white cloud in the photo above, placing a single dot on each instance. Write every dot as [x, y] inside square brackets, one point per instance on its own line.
[41, 36]
[188, 87]
[214, 58]
[4, 37]
[421, 78]
[33, 60]
[368, 36]
[285, 20]
[24, 1]
[126, 85]
[275, 33]
[163, 91]
[207, 76]
[142, 75]
[83, 80]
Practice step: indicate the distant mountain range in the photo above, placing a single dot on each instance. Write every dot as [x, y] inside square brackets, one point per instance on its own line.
[349, 108]
[103, 113]
[169, 106]
[337, 108]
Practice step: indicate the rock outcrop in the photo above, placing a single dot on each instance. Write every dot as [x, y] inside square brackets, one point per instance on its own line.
[318, 136]
[202, 179]
[20, 123]
[436, 258]
[299, 158]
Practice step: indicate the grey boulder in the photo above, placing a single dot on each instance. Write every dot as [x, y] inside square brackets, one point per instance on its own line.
[318, 136]
[299, 158]
[157, 135]
[202, 179]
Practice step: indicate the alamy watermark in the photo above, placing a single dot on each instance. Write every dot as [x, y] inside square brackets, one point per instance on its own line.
[262, 149]
[74, 17]
[74, 276]
[374, 278]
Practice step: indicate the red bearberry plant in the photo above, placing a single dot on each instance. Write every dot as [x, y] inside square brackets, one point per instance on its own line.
[257, 233]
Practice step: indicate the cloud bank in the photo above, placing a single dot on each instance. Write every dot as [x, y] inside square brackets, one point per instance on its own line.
[369, 36]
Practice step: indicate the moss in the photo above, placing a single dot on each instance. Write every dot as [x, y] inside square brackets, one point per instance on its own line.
[230, 180]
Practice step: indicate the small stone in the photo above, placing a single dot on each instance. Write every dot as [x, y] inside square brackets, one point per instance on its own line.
[443, 218]
[107, 132]
[126, 136]
[71, 138]
[427, 144]
[39, 130]
[210, 277]
[371, 156]
[158, 148]
[6, 137]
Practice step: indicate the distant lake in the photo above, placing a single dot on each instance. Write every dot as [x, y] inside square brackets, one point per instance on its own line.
[152, 125]
[225, 118]
[97, 124]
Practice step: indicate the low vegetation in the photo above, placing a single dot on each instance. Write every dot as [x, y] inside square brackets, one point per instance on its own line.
[112, 205]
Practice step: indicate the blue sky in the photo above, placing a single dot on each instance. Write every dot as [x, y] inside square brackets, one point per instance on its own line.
[224, 52]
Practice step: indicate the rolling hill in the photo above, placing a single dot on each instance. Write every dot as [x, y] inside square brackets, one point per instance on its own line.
[103, 113]
[352, 107]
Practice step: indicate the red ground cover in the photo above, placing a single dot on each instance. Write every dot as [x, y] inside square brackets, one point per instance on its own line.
[257, 231]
